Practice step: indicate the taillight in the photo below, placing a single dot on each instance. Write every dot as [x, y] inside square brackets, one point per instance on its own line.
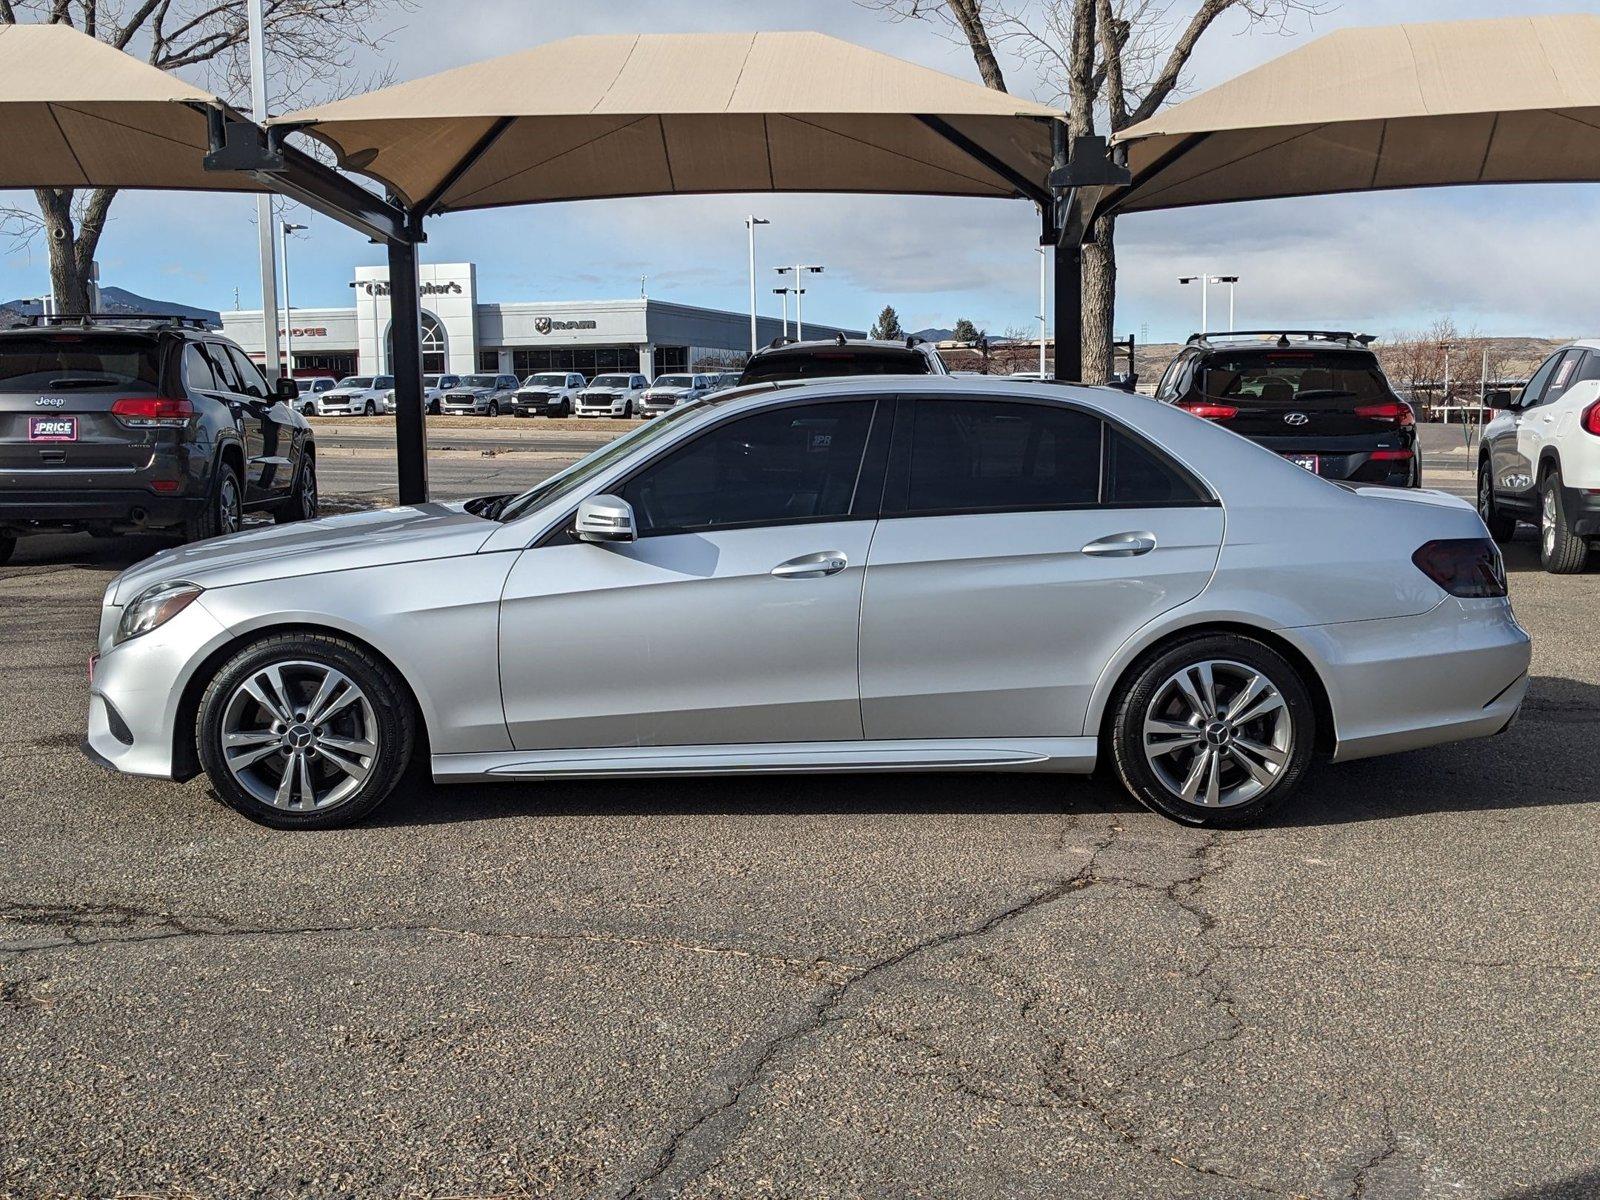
[1591, 419]
[1211, 412]
[152, 411]
[1395, 412]
[1390, 455]
[1465, 567]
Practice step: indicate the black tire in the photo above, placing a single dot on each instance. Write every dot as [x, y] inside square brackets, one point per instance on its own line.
[8, 546]
[494, 408]
[433, 408]
[368, 409]
[519, 413]
[1147, 683]
[1561, 552]
[394, 720]
[302, 503]
[223, 511]
[1502, 526]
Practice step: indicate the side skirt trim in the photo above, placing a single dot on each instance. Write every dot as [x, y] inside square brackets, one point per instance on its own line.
[1070, 755]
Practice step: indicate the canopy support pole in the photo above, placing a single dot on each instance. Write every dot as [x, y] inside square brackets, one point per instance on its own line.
[410, 419]
[1080, 180]
[1069, 311]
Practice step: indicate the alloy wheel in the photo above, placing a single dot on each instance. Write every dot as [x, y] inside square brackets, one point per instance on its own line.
[1547, 522]
[1217, 733]
[299, 736]
[230, 506]
[1485, 496]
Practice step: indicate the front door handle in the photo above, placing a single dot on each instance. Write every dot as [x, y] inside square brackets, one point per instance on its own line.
[1122, 545]
[812, 566]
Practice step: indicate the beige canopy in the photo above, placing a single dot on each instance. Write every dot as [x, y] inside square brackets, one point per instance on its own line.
[75, 112]
[1510, 100]
[639, 115]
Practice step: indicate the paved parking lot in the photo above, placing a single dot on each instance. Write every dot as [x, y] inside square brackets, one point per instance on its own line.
[934, 985]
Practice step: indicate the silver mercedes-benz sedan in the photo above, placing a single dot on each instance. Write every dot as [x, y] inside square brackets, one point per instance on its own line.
[873, 574]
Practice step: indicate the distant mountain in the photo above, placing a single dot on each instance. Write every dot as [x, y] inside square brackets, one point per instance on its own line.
[115, 300]
[935, 335]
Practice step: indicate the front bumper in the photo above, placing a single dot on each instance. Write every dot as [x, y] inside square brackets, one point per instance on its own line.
[137, 688]
[463, 408]
[1457, 671]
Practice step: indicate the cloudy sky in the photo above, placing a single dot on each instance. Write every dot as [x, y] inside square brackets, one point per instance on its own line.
[1508, 260]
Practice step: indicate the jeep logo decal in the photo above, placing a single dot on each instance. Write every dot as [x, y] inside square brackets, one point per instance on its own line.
[51, 401]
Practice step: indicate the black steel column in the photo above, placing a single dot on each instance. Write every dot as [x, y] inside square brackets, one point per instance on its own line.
[410, 430]
[1069, 311]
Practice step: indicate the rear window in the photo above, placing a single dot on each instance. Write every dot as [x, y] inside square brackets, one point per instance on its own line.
[846, 360]
[62, 362]
[1294, 376]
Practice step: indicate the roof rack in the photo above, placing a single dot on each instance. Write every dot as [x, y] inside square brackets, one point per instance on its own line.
[40, 320]
[1283, 336]
[776, 342]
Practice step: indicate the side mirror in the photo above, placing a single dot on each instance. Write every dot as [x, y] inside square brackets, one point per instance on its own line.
[1500, 399]
[604, 519]
[288, 390]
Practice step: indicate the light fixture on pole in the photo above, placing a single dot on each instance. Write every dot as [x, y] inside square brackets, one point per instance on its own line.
[750, 224]
[785, 293]
[800, 270]
[1204, 281]
[1445, 398]
[1230, 280]
[285, 228]
[1044, 300]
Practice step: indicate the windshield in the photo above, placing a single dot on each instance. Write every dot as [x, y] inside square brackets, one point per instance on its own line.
[1294, 376]
[356, 381]
[610, 381]
[554, 381]
[682, 381]
[845, 360]
[479, 381]
[585, 469]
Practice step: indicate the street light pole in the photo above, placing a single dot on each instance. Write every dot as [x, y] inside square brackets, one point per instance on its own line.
[784, 292]
[285, 228]
[1204, 281]
[1044, 300]
[264, 218]
[1230, 280]
[800, 270]
[750, 224]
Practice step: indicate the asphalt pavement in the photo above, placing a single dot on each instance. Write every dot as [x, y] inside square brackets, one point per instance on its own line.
[941, 985]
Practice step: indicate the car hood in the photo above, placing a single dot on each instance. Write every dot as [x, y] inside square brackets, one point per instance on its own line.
[669, 391]
[461, 391]
[352, 540]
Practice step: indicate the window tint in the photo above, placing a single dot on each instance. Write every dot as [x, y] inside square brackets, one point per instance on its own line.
[253, 382]
[1294, 377]
[842, 360]
[31, 362]
[785, 464]
[1563, 377]
[223, 368]
[1169, 378]
[1588, 369]
[1134, 476]
[1530, 394]
[989, 455]
[197, 373]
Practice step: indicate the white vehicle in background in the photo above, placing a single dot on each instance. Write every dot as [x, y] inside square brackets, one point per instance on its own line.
[1540, 459]
[433, 387]
[353, 396]
[614, 395]
[669, 391]
[312, 386]
[549, 394]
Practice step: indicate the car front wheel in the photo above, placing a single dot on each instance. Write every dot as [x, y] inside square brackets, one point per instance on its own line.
[1561, 552]
[367, 410]
[1502, 526]
[305, 731]
[1215, 730]
[494, 408]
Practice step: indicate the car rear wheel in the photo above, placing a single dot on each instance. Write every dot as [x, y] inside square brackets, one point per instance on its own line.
[1502, 526]
[223, 511]
[1561, 552]
[305, 731]
[302, 505]
[1215, 730]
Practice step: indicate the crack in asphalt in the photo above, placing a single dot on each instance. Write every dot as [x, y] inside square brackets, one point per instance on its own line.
[79, 922]
[1390, 1147]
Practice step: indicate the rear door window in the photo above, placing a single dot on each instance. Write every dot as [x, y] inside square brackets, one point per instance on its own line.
[252, 381]
[1536, 385]
[1135, 477]
[62, 362]
[994, 456]
[1563, 377]
[197, 372]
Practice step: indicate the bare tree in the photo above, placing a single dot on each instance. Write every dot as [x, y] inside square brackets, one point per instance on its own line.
[312, 45]
[1110, 64]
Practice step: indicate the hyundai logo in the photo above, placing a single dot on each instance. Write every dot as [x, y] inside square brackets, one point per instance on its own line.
[51, 401]
[1296, 418]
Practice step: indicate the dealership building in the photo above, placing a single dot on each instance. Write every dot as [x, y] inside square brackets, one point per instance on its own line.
[462, 334]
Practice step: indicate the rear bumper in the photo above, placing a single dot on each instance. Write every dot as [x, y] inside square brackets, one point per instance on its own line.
[1458, 671]
[1355, 460]
[1582, 507]
[121, 508]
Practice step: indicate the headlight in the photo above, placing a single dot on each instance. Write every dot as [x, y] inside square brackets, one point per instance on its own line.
[155, 606]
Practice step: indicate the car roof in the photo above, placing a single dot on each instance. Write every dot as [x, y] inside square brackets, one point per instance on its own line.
[834, 343]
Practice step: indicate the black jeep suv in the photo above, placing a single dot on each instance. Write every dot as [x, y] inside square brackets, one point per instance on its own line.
[115, 423]
[1318, 398]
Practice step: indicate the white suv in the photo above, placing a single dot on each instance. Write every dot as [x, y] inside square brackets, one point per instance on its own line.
[1540, 458]
[612, 396]
[549, 393]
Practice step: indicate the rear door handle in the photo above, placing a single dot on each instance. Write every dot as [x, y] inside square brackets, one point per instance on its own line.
[812, 566]
[1122, 545]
